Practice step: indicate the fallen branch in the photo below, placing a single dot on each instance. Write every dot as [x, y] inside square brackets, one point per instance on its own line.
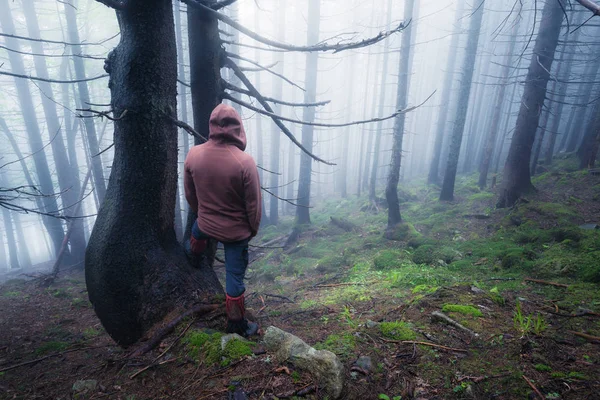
[546, 282]
[436, 315]
[37, 360]
[586, 336]
[439, 346]
[533, 387]
[152, 365]
[170, 326]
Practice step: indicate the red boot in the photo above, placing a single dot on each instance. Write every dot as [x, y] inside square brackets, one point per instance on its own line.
[236, 321]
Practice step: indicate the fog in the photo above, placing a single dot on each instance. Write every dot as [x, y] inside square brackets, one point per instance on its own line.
[360, 84]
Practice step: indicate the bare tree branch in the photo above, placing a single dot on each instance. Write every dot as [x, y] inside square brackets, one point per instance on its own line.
[36, 78]
[117, 5]
[221, 4]
[323, 125]
[59, 42]
[590, 5]
[237, 56]
[267, 107]
[237, 89]
[52, 55]
[337, 47]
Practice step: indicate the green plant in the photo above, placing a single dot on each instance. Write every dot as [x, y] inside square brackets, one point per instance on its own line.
[346, 315]
[51, 347]
[539, 325]
[386, 397]
[542, 368]
[295, 376]
[522, 323]
[387, 259]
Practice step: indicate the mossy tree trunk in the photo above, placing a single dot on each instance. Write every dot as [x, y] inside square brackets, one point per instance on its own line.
[136, 272]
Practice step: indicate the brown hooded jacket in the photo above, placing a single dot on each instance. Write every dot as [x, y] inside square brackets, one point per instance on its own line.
[221, 181]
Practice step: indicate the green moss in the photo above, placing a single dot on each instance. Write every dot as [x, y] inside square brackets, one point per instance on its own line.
[13, 293]
[428, 254]
[542, 368]
[387, 259]
[236, 349]
[51, 347]
[331, 263]
[425, 289]
[342, 345]
[397, 330]
[202, 344]
[482, 196]
[461, 309]
[404, 232]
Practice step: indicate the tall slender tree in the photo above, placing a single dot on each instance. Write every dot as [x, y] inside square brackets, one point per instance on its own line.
[391, 190]
[310, 82]
[517, 178]
[447, 192]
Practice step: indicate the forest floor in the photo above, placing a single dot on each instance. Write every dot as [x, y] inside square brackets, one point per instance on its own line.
[353, 292]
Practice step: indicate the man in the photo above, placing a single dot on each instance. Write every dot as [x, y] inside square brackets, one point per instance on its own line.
[222, 185]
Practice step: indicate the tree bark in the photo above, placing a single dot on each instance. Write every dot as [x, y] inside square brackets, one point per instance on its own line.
[53, 225]
[517, 177]
[447, 192]
[136, 272]
[310, 82]
[24, 257]
[84, 94]
[13, 255]
[404, 68]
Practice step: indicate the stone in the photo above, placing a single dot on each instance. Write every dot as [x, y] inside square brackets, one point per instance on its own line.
[227, 338]
[85, 386]
[365, 363]
[322, 364]
[475, 289]
[371, 324]
[590, 227]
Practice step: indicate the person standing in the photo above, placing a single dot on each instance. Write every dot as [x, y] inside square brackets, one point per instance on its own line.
[222, 185]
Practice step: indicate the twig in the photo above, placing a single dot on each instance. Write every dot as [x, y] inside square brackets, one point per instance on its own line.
[37, 360]
[533, 387]
[425, 344]
[237, 56]
[546, 282]
[152, 365]
[444, 318]
[59, 42]
[586, 336]
[343, 284]
[36, 78]
[237, 89]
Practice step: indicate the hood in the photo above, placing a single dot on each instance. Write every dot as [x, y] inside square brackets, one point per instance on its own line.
[225, 126]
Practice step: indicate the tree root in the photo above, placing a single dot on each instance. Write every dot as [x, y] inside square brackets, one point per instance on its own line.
[169, 327]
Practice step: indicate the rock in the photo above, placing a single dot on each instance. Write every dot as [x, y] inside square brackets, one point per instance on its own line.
[589, 226]
[365, 363]
[371, 324]
[227, 338]
[323, 364]
[475, 289]
[85, 386]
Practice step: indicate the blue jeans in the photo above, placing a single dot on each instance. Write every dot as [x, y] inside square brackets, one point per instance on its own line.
[236, 262]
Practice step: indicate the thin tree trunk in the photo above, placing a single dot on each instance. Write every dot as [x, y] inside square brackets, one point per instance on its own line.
[84, 94]
[310, 82]
[517, 177]
[13, 255]
[383, 89]
[442, 121]
[24, 257]
[447, 192]
[404, 68]
[54, 226]
[67, 177]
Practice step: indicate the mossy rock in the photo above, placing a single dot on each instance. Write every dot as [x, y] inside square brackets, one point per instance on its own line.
[517, 258]
[429, 254]
[331, 263]
[397, 330]
[387, 259]
[402, 232]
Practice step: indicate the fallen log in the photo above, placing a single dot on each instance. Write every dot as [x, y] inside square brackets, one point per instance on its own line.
[546, 282]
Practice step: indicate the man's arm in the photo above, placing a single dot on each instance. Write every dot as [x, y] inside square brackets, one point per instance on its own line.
[252, 197]
[190, 188]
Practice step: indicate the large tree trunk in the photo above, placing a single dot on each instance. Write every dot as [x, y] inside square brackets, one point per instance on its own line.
[84, 94]
[517, 177]
[310, 82]
[67, 177]
[589, 145]
[36, 144]
[447, 192]
[391, 190]
[136, 272]
[442, 121]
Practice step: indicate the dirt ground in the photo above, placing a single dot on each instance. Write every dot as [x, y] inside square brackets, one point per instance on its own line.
[57, 327]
